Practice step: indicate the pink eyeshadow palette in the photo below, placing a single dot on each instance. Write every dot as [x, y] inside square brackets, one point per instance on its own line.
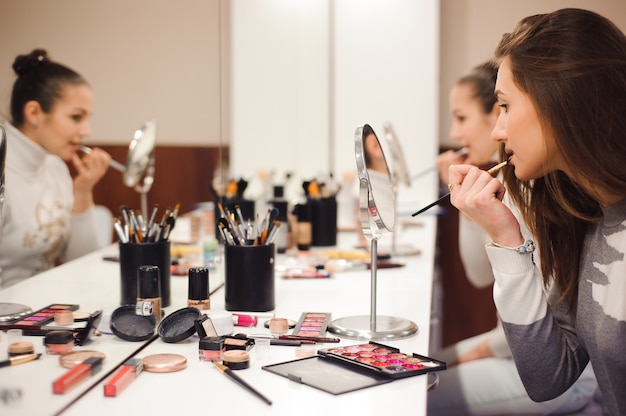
[312, 324]
[39, 318]
[382, 359]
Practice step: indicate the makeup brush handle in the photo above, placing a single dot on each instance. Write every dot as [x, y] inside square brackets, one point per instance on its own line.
[113, 163]
[429, 206]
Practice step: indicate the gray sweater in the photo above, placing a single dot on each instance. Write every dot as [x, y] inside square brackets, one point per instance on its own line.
[552, 347]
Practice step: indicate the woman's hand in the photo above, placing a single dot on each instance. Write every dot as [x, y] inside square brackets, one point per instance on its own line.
[90, 169]
[445, 160]
[479, 196]
[481, 350]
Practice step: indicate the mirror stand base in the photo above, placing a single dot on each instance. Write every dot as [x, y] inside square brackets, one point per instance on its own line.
[384, 328]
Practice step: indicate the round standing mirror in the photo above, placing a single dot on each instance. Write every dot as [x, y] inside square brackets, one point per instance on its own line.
[140, 159]
[378, 214]
[138, 172]
[377, 200]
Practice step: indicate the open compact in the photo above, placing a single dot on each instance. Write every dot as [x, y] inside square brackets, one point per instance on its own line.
[130, 326]
[179, 325]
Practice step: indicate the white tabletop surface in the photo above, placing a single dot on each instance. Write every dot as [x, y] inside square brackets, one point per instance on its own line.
[93, 283]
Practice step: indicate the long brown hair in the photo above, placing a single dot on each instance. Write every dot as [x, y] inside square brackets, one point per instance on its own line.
[572, 65]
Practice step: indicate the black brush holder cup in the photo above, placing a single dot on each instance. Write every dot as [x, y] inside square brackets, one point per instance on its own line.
[323, 214]
[134, 255]
[249, 278]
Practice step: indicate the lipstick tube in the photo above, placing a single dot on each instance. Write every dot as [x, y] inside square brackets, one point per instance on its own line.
[77, 374]
[123, 377]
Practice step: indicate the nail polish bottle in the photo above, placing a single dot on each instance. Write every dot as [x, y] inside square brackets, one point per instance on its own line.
[198, 293]
[149, 288]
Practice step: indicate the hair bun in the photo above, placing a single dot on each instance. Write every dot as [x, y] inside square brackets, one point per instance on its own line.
[26, 63]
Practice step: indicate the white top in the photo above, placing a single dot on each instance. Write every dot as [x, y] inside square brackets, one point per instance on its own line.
[38, 228]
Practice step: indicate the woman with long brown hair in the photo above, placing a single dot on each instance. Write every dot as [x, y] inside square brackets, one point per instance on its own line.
[562, 89]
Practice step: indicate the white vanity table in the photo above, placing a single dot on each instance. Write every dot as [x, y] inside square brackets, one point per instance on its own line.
[93, 283]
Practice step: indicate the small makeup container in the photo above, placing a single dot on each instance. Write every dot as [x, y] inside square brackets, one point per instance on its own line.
[149, 288]
[59, 342]
[236, 359]
[64, 317]
[210, 349]
[198, 292]
[238, 342]
[279, 326]
[20, 348]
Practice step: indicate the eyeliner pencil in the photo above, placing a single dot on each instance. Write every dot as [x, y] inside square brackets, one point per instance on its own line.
[443, 198]
[241, 382]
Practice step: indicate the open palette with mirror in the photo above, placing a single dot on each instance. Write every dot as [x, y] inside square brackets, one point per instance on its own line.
[339, 370]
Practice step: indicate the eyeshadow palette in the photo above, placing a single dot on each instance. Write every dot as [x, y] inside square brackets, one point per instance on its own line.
[344, 369]
[312, 324]
[382, 359]
[39, 318]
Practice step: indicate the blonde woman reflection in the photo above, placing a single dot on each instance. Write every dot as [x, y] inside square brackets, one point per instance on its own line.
[482, 378]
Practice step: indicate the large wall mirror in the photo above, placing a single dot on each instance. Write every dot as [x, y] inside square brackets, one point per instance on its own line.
[283, 83]
[306, 73]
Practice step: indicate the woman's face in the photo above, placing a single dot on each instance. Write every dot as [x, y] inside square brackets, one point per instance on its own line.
[519, 128]
[65, 127]
[471, 126]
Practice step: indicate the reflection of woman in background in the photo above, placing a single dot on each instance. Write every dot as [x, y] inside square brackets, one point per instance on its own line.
[482, 378]
[49, 216]
[379, 176]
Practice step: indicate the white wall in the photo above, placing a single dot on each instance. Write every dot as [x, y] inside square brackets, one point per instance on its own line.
[470, 30]
[371, 61]
[143, 58]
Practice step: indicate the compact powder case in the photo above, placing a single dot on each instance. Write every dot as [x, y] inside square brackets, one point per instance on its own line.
[72, 359]
[129, 326]
[164, 363]
[179, 325]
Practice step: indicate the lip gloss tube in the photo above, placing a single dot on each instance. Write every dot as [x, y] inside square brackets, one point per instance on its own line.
[123, 377]
[77, 374]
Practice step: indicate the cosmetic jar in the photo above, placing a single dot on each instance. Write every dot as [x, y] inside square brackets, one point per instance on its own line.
[21, 348]
[198, 290]
[210, 349]
[59, 342]
[64, 317]
[279, 326]
[236, 359]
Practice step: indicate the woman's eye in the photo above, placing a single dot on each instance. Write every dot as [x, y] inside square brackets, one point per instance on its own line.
[504, 107]
[77, 117]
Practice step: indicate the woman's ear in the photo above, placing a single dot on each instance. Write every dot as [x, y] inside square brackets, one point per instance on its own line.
[32, 113]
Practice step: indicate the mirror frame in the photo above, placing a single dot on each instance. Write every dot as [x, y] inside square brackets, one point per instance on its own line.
[140, 162]
[373, 223]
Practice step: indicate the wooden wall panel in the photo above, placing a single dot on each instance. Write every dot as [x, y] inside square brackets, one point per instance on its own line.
[182, 175]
